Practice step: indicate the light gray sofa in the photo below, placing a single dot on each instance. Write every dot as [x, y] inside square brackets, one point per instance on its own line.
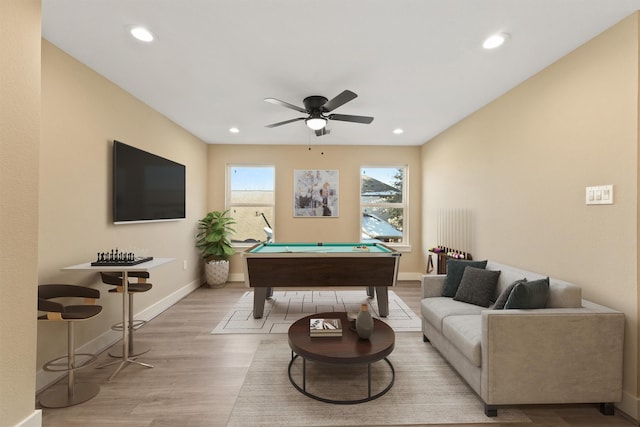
[569, 352]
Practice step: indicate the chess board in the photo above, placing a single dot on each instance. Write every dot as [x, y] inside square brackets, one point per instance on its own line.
[121, 263]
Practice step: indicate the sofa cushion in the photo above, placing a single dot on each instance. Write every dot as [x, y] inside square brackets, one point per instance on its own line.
[465, 334]
[528, 295]
[510, 274]
[564, 295]
[455, 270]
[435, 310]
[478, 286]
[504, 296]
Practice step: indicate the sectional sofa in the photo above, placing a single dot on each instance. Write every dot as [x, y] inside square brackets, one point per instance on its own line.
[567, 350]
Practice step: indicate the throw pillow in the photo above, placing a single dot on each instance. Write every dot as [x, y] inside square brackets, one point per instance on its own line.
[455, 270]
[528, 295]
[504, 296]
[477, 286]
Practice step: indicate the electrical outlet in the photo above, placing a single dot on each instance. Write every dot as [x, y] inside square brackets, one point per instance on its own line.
[184, 264]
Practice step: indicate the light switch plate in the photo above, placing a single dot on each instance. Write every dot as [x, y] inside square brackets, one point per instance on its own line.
[599, 195]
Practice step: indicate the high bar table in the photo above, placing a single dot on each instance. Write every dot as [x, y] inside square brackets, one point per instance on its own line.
[125, 269]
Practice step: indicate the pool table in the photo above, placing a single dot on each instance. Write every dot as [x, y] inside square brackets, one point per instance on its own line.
[269, 265]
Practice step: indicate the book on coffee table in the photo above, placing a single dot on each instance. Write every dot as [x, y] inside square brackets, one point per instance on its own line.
[325, 327]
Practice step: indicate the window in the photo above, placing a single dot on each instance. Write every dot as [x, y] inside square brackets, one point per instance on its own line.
[383, 203]
[251, 199]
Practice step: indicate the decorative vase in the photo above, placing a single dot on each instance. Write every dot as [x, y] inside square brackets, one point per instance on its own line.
[364, 323]
[217, 273]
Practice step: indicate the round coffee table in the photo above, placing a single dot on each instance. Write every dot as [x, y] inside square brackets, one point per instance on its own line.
[347, 349]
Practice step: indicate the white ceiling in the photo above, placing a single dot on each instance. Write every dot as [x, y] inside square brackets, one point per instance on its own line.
[415, 64]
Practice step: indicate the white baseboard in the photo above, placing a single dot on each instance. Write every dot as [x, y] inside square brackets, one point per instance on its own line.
[107, 339]
[236, 277]
[629, 405]
[157, 308]
[33, 420]
[409, 276]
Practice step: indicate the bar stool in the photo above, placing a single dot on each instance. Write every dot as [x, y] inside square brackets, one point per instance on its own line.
[75, 393]
[115, 279]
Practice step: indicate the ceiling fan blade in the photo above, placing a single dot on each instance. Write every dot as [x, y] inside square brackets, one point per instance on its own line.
[349, 118]
[339, 100]
[323, 131]
[284, 123]
[285, 104]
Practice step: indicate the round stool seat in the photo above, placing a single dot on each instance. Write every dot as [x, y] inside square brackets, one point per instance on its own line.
[77, 312]
[133, 288]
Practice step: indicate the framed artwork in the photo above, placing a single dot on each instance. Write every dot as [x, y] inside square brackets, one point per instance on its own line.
[315, 193]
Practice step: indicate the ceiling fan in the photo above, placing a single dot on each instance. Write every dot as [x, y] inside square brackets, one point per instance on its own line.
[316, 107]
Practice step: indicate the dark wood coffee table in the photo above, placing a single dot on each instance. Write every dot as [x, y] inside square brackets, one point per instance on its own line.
[347, 349]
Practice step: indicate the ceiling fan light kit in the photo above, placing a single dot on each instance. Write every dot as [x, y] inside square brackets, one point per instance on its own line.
[316, 123]
[316, 106]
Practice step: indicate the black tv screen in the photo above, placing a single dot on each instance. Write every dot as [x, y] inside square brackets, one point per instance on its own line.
[146, 187]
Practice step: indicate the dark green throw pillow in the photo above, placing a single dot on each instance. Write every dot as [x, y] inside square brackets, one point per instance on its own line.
[504, 296]
[478, 286]
[529, 295]
[455, 270]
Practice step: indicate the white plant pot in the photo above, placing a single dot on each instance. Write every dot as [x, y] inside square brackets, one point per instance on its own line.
[216, 273]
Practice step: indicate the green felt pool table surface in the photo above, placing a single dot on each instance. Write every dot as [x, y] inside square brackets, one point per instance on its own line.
[334, 248]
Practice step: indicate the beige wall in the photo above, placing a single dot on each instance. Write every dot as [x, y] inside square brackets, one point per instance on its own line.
[82, 113]
[19, 139]
[521, 165]
[347, 160]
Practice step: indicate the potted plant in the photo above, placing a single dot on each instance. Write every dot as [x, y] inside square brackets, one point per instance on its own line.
[214, 244]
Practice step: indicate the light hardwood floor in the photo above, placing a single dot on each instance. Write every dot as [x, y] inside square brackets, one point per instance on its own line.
[197, 376]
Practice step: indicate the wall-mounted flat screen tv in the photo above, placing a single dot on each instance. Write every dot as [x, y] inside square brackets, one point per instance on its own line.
[146, 187]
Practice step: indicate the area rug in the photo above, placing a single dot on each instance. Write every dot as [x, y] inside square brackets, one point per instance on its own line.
[426, 391]
[287, 306]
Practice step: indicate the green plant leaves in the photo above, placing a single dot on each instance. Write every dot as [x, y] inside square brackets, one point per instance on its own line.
[213, 236]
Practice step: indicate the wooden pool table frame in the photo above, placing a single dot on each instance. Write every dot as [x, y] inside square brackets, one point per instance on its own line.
[372, 269]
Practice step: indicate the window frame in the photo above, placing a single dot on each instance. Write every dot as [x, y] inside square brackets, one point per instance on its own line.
[404, 205]
[230, 205]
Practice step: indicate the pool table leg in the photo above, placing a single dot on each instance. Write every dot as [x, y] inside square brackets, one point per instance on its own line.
[382, 294]
[259, 297]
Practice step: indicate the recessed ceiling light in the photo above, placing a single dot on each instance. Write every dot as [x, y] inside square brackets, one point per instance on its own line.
[495, 40]
[142, 34]
[398, 131]
[234, 130]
